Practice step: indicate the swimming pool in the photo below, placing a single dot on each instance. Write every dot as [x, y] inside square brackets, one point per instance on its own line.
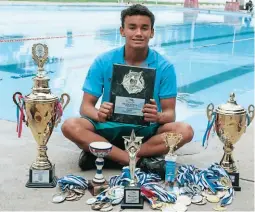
[213, 53]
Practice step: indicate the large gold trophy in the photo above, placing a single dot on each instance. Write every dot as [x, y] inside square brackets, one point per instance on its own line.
[43, 111]
[230, 123]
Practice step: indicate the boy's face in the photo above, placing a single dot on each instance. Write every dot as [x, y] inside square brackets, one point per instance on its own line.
[137, 30]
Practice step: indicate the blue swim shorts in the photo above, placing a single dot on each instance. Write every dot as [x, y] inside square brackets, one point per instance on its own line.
[113, 131]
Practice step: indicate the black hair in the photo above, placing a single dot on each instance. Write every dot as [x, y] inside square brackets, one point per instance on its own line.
[137, 9]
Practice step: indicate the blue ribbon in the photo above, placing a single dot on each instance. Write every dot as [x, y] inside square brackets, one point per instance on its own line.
[71, 181]
[148, 180]
[206, 179]
[208, 128]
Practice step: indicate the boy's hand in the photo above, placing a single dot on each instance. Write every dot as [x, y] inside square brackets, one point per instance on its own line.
[105, 111]
[150, 111]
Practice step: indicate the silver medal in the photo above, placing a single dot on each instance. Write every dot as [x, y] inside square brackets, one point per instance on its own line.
[203, 202]
[180, 207]
[196, 198]
[91, 201]
[183, 199]
[117, 201]
[58, 198]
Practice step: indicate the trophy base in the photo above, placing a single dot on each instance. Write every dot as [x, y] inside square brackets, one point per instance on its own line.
[132, 205]
[235, 180]
[42, 178]
[96, 188]
[132, 198]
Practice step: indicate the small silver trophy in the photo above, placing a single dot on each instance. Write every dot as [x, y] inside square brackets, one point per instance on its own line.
[132, 193]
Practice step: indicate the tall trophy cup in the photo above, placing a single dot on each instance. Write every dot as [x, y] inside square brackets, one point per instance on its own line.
[171, 140]
[43, 111]
[132, 193]
[230, 124]
[100, 149]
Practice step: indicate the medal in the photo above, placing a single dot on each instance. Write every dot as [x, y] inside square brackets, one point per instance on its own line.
[196, 199]
[107, 207]
[117, 201]
[226, 182]
[168, 208]
[157, 205]
[183, 199]
[58, 198]
[91, 201]
[179, 207]
[203, 202]
[212, 198]
[221, 194]
[219, 208]
[79, 191]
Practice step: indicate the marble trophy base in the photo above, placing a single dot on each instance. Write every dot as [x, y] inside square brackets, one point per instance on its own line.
[235, 180]
[42, 178]
[96, 188]
[132, 198]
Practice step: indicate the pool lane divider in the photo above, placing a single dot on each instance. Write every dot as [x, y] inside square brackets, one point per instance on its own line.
[46, 38]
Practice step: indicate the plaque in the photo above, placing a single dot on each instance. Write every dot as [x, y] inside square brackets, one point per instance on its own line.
[131, 88]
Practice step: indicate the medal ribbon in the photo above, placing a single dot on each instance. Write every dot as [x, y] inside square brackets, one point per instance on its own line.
[59, 110]
[206, 179]
[150, 189]
[71, 181]
[208, 129]
[20, 115]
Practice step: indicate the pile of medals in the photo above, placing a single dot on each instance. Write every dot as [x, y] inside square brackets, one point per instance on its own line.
[195, 186]
[71, 188]
[201, 186]
[107, 199]
[192, 194]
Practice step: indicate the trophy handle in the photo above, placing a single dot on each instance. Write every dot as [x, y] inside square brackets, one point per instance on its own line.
[14, 99]
[209, 111]
[64, 102]
[16, 103]
[250, 114]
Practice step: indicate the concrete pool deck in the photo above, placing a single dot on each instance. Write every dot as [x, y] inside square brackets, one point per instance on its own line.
[17, 154]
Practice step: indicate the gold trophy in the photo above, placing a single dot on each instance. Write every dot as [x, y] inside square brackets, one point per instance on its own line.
[230, 124]
[43, 111]
[172, 140]
[132, 193]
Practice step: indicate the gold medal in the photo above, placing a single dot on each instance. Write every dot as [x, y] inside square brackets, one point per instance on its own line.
[212, 198]
[226, 182]
[157, 205]
[221, 194]
[219, 208]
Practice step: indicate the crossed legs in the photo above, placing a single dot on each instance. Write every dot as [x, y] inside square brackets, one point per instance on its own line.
[82, 133]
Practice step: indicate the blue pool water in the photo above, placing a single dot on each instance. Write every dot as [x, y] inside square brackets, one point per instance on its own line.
[213, 54]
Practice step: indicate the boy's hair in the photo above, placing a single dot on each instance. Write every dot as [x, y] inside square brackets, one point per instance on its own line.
[137, 9]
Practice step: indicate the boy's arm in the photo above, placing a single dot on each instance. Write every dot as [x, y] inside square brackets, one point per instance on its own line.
[88, 108]
[168, 111]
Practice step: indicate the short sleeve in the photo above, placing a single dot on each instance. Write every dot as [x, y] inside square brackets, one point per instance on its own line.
[93, 83]
[168, 84]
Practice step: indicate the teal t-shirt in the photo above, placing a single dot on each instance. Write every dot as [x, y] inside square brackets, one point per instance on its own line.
[98, 79]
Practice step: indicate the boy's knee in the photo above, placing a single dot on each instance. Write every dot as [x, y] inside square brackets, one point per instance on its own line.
[188, 133]
[69, 126]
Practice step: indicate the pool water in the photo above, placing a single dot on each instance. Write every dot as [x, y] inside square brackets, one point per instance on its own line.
[213, 54]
